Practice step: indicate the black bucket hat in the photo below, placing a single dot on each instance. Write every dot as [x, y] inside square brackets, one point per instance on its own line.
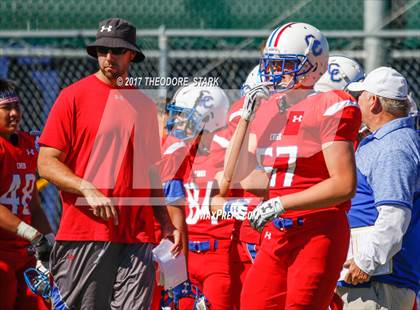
[116, 32]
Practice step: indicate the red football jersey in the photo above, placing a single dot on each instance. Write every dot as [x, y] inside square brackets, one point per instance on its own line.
[290, 143]
[110, 138]
[199, 188]
[177, 158]
[175, 164]
[18, 177]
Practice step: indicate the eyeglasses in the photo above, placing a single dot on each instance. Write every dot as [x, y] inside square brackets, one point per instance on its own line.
[112, 50]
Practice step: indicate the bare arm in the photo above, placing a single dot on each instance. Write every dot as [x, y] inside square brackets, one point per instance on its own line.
[339, 187]
[160, 211]
[237, 152]
[52, 168]
[246, 161]
[177, 215]
[256, 183]
[8, 221]
[11, 223]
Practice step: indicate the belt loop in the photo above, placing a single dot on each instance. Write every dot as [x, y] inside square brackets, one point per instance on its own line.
[300, 221]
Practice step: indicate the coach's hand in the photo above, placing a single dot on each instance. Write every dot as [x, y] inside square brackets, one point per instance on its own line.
[100, 205]
[355, 275]
[265, 212]
[252, 100]
[169, 231]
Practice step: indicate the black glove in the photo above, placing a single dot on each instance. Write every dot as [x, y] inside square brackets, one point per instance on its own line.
[42, 248]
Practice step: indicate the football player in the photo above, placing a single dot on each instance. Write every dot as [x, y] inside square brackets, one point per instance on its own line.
[341, 72]
[197, 114]
[175, 164]
[22, 221]
[304, 150]
[245, 240]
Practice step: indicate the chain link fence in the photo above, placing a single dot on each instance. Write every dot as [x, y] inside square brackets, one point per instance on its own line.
[44, 62]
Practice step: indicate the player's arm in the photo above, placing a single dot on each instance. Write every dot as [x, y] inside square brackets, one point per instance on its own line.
[339, 187]
[255, 183]
[237, 153]
[245, 162]
[161, 214]
[11, 223]
[177, 215]
[14, 225]
[52, 168]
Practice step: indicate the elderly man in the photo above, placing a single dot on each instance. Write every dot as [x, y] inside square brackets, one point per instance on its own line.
[383, 269]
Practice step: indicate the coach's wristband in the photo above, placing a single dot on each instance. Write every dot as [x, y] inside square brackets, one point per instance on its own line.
[27, 232]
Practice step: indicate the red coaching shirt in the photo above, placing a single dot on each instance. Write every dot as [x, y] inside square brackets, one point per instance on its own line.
[18, 168]
[291, 141]
[109, 137]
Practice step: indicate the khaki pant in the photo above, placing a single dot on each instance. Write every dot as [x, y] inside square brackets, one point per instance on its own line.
[379, 296]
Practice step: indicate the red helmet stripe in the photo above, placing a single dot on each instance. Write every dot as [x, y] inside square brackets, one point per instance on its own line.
[281, 31]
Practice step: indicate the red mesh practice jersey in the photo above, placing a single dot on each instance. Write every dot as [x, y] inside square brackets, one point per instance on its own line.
[18, 168]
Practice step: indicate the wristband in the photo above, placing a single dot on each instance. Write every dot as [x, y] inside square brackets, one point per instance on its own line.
[27, 232]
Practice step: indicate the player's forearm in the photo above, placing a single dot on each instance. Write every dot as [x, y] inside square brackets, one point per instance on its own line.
[217, 203]
[338, 188]
[56, 172]
[11, 223]
[329, 192]
[177, 215]
[244, 163]
[160, 210]
[161, 214]
[8, 221]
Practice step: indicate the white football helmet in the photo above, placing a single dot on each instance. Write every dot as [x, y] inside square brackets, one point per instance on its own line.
[295, 49]
[341, 72]
[197, 108]
[253, 79]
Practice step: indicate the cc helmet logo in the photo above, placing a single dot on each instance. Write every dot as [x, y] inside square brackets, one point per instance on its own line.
[108, 28]
[204, 99]
[334, 72]
[314, 44]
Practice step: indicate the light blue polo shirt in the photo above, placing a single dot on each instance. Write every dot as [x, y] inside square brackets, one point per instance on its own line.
[388, 173]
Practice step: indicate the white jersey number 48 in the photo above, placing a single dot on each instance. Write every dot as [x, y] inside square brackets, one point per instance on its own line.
[11, 197]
